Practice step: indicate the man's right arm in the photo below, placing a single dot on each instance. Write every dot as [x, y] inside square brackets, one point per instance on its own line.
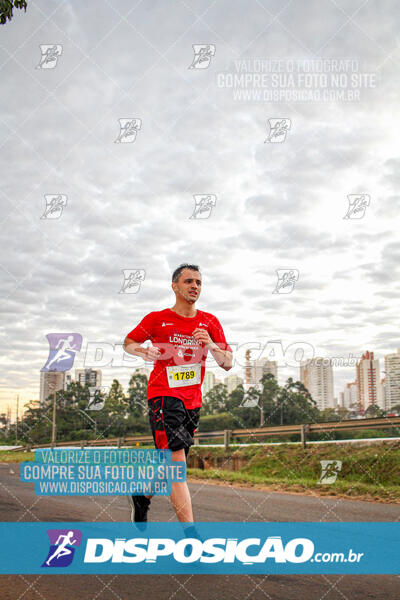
[135, 338]
[135, 348]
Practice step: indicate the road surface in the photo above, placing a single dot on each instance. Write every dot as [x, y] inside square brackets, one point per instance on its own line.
[210, 503]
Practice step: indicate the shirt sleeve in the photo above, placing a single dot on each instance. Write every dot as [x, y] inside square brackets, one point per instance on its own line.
[217, 335]
[143, 331]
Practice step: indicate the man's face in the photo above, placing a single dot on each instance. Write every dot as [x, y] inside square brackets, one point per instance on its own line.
[188, 286]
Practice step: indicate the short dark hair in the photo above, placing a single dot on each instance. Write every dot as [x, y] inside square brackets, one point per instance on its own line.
[177, 273]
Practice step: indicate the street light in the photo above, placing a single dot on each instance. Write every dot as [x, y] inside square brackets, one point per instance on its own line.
[16, 422]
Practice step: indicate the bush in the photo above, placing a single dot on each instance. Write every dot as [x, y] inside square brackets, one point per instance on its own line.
[216, 422]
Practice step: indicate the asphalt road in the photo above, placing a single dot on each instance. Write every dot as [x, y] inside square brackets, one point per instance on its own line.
[210, 503]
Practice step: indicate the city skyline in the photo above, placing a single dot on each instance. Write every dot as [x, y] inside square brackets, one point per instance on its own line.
[344, 397]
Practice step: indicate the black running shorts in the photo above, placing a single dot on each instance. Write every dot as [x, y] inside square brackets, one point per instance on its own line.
[172, 424]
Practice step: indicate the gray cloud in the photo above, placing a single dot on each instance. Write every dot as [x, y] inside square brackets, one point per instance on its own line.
[278, 205]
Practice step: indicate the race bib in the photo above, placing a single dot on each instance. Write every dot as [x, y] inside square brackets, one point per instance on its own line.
[181, 375]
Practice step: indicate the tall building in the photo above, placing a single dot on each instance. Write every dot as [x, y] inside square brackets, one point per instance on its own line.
[67, 379]
[232, 382]
[50, 382]
[350, 395]
[260, 367]
[368, 382]
[91, 377]
[392, 379]
[208, 382]
[381, 393]
[317, 376]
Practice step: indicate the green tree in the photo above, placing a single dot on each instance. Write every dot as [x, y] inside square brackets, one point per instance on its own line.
[137, 421]
[116, 403]
[268, 396]
[72, 424]
[6, 9]
[235, 398]
[295, 405]
[113, 422]
[215, 400]
[137, 394]
[244, 416]
[328, 414]
[374, 411]
[343, 413]
[218, 422]
[34, 426]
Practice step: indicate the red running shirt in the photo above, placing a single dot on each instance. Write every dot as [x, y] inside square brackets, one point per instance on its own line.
[172, 334]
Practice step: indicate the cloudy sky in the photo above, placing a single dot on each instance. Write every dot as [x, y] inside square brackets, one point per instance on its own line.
[278, 205]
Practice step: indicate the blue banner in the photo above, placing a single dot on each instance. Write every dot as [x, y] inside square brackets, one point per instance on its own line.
[213, 548]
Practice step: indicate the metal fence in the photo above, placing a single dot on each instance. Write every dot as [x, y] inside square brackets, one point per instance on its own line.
[255, 434]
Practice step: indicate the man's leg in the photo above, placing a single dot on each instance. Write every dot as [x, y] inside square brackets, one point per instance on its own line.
[180, 496]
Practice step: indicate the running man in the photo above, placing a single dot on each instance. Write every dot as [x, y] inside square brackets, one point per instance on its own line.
[62, 549]
[181, 337]
[62, 353]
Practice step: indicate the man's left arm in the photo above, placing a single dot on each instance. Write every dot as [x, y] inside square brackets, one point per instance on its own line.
[224, 358]
[216, 344]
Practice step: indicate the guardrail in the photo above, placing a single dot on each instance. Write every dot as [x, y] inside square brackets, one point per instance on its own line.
[255, 433]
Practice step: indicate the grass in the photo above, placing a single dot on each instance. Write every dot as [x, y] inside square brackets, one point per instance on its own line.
[340, 488]
[370, 472]
[6, 456]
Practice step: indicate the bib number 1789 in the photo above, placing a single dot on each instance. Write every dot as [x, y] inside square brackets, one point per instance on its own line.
[181, 375]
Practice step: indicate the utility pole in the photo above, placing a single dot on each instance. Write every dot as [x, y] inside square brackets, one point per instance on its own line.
[8, 424]
[54, 423]
[16, 422]
[262, 414]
